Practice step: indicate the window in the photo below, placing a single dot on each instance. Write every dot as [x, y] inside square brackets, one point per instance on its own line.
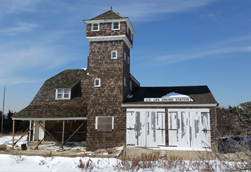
[124, 81]
[130, 85]
[63, 93]
[114, 54]
[124, 56]
[115, 26]
[95, 26]
[127, 29]
[97, 82]
[104, 123]
[131, 36]
[128, 59]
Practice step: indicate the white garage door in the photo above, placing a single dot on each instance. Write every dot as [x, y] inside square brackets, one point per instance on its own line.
[189, 128]
[145, 127]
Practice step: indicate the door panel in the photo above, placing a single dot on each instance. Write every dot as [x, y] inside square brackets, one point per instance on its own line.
[130, 130]
[205, 129]
[160, 129]
[183, 129]
[172, 127]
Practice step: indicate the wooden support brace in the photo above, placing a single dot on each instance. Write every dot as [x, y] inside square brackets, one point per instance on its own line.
[44, 137]
[49, 134]
[26, 131]
[74, 132]
[37, 124]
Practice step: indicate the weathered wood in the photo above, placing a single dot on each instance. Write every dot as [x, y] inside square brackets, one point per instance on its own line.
[49, 134]
[63, 135]
[13, 133]
[26, 131]
[44, 137]
[37, 124]
[74, 132]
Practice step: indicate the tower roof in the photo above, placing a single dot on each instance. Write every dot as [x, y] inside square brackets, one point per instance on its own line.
[108, 15]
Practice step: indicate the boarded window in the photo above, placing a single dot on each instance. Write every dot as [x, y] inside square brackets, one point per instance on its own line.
[104, 123]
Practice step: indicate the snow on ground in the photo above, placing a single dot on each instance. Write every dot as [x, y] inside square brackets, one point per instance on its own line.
[57, 164]
[7, 140]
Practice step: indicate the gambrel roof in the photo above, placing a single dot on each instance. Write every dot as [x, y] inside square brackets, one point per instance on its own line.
[45, 105]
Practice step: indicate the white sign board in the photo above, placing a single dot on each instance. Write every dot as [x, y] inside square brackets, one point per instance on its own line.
[171, 97]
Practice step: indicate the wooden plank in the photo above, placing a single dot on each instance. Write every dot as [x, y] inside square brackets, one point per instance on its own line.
[63, 134]
[13, 133]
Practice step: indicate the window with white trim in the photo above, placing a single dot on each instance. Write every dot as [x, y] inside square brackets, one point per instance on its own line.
[127, 29]
[114, 54]
[115, 25]
[130, 85]
[104, 123]
[97, 82]
[95, 26]
[63, 93]
[124, 81]
[124, 56]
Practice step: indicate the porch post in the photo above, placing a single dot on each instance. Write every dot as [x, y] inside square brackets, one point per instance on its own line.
[13, 133]
[63, 134]
[37, 132]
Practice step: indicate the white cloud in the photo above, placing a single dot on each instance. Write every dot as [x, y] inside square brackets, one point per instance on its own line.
[19, 28]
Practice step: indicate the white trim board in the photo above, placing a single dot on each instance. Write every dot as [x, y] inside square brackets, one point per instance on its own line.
[50, 119]
[169, 105]
[110, 38]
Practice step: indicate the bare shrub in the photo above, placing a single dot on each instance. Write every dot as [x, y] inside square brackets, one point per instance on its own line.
[88, 166]
[17, 158]
[3, 147]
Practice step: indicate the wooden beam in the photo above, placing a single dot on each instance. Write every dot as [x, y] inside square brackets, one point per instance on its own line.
[37, 124]
[13, 133]
[74, 132]
[49, 134]
[63, 135]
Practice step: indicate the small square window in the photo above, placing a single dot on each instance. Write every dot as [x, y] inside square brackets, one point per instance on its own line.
[114, 55]
[63, 93]
[97, 82]
[95, 27]
[115, 26]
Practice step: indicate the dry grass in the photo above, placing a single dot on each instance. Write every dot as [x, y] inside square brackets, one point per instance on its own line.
[88, 166]
[1, 135]
[17, 133]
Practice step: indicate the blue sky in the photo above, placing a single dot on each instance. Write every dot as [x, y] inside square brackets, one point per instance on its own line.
[177, 43]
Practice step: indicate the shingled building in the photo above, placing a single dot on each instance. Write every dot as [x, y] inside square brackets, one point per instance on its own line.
[105, 106]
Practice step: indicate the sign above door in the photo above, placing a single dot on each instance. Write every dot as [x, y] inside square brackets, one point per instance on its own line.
[170, 97]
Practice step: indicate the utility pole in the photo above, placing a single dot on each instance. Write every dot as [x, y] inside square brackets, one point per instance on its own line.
[3, 110]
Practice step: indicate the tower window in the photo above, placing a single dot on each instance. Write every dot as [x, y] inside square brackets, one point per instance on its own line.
[95, 26]
[127, 29]
[115, 26]
[128, 59]
[114, 54]
[124, 81]
[63, 93]
[130, 85]
[97, 82]
[124, 56]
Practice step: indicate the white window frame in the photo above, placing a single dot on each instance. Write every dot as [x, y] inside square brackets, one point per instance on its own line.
[63, 93]
[99, 80]
[96, 122]
[118, 26]
[124, 56]
[93, 26]
[125, 81]
[114, 51]
[130, 84]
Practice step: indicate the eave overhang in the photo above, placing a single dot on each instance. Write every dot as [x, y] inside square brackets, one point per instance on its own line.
[169, 105]
[110, 38]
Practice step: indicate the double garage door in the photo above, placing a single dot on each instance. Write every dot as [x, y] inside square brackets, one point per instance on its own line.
[145, 128]
[186, 127]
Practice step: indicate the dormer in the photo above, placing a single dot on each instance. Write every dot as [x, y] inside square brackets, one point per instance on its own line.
[110, 26]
